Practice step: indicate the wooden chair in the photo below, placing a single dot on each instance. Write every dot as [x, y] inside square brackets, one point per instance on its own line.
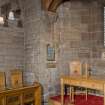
[16, 82]
[16, 78]
[13, 99]
[2, 100]
[28, 97]
[2, 81]
[76, 69]
[2, 87]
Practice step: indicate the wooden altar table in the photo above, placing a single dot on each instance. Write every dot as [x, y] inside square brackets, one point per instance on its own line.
[92, 83]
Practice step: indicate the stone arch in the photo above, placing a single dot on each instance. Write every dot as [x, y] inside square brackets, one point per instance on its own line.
[55, 4]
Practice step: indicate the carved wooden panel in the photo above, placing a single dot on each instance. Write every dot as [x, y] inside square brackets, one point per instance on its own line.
[2, 101]
[13, 100]
[28, 96]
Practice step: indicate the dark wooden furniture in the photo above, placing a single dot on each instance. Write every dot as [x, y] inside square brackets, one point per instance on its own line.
[21, 96]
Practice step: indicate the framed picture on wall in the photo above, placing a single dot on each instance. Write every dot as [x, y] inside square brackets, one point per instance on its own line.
[50, 53]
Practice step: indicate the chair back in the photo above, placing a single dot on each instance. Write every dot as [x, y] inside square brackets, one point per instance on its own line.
[75, 68]
[2, 81]
[16, 78]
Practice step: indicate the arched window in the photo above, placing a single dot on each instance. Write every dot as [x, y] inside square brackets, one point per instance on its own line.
[11, 16]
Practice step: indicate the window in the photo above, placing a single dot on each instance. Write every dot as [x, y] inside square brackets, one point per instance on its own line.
[1, 20]
[11, 16]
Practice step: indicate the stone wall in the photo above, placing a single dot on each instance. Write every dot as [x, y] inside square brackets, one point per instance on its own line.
[81, 34]
[11, 50]
[77, 34]
[32, 14]
[37, 36]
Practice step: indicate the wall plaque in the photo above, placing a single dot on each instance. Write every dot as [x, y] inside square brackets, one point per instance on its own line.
[50, 53]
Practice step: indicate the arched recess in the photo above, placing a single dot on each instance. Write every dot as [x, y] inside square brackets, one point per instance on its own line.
[11, 11]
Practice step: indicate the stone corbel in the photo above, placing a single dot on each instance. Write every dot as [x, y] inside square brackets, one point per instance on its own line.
[51, 16]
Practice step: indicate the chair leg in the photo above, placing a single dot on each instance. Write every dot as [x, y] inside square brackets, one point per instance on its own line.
[86, 93]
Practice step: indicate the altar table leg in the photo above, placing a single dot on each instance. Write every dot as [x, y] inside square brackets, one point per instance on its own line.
[86, 93]
[72, 94]
[62, 92]
[104, 94]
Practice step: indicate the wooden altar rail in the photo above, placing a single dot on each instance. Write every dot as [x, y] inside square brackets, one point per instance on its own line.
[91, 83]
[21, 96]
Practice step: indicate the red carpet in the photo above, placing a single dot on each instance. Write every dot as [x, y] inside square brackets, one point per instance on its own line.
[81, 100]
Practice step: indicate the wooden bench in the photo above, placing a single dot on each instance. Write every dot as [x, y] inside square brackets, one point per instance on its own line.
[18, 94]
